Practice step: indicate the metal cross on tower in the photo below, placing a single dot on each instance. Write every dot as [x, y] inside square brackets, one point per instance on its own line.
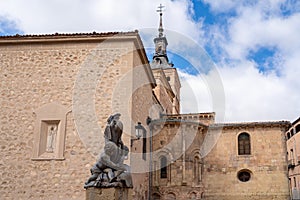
[160, 9]
[160, 29]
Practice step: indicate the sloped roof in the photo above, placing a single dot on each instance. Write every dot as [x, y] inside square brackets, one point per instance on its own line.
[62, 35]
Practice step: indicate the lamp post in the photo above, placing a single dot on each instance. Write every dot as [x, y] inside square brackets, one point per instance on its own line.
[139, 132]
[149, 121]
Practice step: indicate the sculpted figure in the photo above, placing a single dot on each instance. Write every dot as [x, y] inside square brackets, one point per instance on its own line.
[110, 170]
[51, 139]
[114, 129]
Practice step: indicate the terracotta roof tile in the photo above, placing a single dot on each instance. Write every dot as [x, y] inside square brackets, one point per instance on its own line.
[58, 35]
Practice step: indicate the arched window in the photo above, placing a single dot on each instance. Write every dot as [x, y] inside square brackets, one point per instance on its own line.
[244, 144]
[197, 170]
[193, 196]
[163, 167]
[156, 196]
[170, 196]
[288, 135]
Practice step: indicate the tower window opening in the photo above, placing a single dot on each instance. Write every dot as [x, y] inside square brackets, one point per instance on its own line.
[163, 167]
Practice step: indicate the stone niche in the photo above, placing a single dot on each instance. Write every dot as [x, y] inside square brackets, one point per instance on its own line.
[49, 134]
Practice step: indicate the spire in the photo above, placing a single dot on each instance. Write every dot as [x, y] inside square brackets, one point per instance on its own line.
[160, 58]
[160, 29]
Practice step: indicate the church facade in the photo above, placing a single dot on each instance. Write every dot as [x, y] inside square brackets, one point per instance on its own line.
[57, 92]
[196, 158]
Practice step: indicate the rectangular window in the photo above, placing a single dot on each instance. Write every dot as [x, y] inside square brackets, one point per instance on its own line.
[163, 167]
[163, 172]
[292, 156]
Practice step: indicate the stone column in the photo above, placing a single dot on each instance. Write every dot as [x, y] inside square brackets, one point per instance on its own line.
[183, 129]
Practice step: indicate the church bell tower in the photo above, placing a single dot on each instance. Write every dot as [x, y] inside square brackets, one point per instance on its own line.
[160, 58]
[166, 76]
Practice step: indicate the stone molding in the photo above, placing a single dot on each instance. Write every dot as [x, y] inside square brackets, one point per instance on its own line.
[49, 134]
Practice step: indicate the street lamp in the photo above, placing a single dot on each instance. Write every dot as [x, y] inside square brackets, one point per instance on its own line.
[139, 130]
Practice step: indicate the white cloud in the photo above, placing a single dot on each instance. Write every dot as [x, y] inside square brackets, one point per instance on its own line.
[195, 95]
[222, 5]
[43, 16]
[260, 97]
[256, 25]
[248, 33]
[250, 95]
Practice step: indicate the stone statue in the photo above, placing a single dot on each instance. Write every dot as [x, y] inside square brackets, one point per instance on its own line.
[114, 129]
[110, 170]
[51, 138]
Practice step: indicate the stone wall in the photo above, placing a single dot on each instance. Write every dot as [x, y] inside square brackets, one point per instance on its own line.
[179, 142]
[266, 164]
[217, 174]
[293, 156]
[78, 72]
[172, 75]
[32, 76]
[163, 91]
[89, 77]
[143, 106]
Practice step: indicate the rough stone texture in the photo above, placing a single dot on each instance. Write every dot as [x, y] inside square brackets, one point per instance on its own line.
[168, 89]
[179, 142]
[172, 75]
[293, 156]
[218, 170]
[108, 194]
[36, 71]
[267, 164]
[32, 76]
[164, 91]
[95, 79]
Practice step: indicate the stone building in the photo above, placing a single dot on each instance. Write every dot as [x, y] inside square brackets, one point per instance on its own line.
[57, 92]
[196, 158]
[293, 154]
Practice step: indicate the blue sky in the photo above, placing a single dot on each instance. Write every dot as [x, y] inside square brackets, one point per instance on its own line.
[8, 27]
[254, 45]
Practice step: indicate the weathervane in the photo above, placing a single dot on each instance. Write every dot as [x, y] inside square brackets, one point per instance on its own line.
[160, 29]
